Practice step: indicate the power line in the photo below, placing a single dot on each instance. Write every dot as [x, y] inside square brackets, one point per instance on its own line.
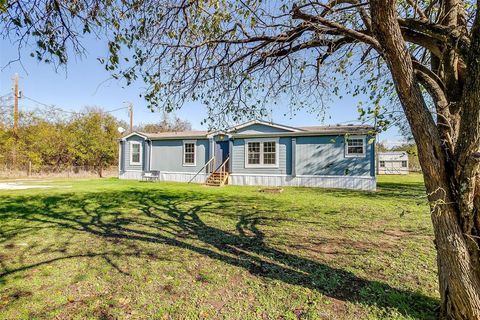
[117, 109]
[68, 111]
[37, 108]
[50, 106]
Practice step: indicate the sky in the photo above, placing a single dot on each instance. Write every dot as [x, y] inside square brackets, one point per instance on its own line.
[84, 82]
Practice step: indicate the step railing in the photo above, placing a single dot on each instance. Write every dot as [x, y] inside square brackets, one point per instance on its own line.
[209, 168]
[223, 171]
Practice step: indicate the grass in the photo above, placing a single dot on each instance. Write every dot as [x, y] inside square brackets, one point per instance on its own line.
[111, 249]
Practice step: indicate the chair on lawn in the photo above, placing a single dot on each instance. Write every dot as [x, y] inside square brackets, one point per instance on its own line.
[151, 175]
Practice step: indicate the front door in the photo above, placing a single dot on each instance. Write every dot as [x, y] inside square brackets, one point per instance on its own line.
[221, 153]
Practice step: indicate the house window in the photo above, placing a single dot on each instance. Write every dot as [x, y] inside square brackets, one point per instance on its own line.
[269, 153]
[261, 153]
[355, 147]
[189, 153]
[135, 153]
[254, 153]
[382, 164]
[404, 164]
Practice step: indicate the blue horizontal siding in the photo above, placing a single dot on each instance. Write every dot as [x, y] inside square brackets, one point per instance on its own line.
[167, 155]
[285, 158]
[325, 155]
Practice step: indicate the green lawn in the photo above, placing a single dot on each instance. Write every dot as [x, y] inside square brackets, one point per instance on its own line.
[112, 249]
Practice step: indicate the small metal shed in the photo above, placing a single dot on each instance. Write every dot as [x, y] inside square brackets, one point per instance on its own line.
[392, 162]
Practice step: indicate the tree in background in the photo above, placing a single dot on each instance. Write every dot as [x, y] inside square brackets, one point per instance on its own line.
[43, 139]
[4, 146]
[94, 138]
[381, 147]
[238, 56]
[48, 137]
[167, 124]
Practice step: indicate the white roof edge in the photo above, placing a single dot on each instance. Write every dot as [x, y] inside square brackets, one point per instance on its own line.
[214, 133]
[134, 133]
[266, 123]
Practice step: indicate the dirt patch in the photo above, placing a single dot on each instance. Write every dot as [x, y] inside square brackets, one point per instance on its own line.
[332, 246]
[271, 190]
[202, 278]
[103, 313]
[168, 288]
[397, 233]
[220, 296]
[339, 306]
[9, 246]
[12, 295]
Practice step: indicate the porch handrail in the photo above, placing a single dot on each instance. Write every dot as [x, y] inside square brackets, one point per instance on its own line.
[206, 164]
[222, 166]
[223, 170]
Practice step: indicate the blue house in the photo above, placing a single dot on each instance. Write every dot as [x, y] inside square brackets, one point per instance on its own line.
[255, 153]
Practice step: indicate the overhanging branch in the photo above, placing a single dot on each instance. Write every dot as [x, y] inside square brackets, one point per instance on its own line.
[360, 36]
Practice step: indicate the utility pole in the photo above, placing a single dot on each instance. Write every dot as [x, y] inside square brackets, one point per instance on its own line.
[15, 105]
[15, 120]
[130, 111]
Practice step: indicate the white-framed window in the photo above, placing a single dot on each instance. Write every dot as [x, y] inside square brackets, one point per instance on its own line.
[404, 164]
[189, 153]
[382, 164]
[355, 146]
[261, 153]
[254, 153]
[135, 152]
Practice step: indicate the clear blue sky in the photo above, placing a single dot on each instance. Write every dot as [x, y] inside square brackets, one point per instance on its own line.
[86, 83]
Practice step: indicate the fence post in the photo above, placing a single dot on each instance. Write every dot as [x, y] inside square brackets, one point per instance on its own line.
[29, 173]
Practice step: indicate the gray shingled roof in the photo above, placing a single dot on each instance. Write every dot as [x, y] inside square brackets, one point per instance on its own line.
[349, 128]
[174, 134]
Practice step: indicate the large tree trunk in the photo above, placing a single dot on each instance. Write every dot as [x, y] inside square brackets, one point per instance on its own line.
[458, 279]
[450, 182]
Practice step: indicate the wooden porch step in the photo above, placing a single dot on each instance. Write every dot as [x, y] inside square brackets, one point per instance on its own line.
[217, 179]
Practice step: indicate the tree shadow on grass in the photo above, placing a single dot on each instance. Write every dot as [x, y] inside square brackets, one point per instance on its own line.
[175, 219]
[414, 191]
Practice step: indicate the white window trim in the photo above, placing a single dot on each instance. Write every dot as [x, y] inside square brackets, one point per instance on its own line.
[261, 165]
[194, 164]
[356, 155]
[131, 153]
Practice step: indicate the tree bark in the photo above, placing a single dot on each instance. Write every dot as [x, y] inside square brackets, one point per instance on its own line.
[457, 250]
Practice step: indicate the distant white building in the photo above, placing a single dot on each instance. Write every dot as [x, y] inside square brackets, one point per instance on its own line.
[392, 162]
